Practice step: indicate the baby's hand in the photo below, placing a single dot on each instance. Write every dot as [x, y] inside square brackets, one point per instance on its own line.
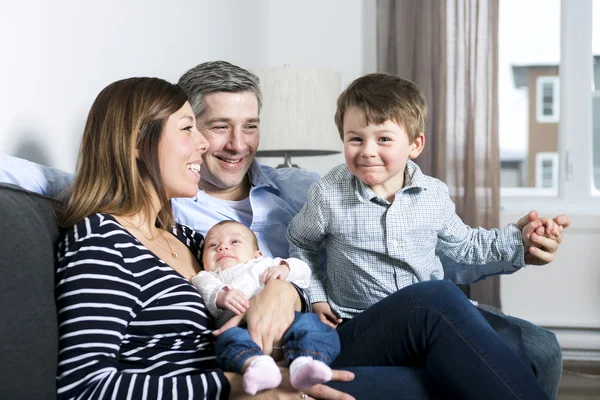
[326, 314]
[279, 272]
[234, 300]
[549, 228]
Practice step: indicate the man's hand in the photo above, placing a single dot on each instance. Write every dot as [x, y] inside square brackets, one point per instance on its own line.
[281, 271]
[541, 236]
[326, 314]
[234, 300]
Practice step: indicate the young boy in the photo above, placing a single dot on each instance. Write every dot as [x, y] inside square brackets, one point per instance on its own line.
[379, 217]
[234, 272]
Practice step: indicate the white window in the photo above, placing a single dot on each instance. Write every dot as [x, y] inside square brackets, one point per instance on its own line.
[546, 170]
[574, 24]
[596, 130]
[547, 99]
[531, 89]
[529, 62]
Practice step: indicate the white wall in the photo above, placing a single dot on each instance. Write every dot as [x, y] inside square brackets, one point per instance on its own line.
[336, 34]
[57, 56]
[565, 294]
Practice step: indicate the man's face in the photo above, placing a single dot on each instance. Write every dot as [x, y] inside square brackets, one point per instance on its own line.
[230, 124]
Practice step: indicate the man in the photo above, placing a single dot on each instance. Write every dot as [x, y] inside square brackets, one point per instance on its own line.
[227, 100]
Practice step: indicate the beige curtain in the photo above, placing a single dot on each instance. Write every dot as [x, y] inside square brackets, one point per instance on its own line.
[450, 49]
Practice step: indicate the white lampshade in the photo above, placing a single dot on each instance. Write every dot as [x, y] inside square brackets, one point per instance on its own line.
[297, 118]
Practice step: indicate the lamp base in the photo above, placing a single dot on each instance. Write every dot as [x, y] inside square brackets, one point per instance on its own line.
[287, 161]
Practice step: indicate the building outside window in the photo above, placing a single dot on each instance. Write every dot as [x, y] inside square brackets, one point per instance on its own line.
[546, 170]
[531, 87]
[548, 99]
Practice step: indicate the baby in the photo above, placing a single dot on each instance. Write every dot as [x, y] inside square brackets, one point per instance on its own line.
[234, 272]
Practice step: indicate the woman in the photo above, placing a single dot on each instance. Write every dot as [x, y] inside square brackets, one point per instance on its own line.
[131, 324]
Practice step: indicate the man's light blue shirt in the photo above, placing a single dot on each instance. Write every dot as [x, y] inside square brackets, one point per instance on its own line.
[277, 195]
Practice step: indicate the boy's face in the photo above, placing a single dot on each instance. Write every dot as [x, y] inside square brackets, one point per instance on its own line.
[377, 154]
[228, 245]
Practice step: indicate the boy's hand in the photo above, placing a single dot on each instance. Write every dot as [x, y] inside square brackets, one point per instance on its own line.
[541, 236]
[234, 300]
[279, 272]
[326, 314]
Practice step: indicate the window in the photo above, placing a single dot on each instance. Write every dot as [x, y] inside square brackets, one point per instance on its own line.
[528, 90]
[546, 170]
[551, 118]
[548, 99]
[596, 132]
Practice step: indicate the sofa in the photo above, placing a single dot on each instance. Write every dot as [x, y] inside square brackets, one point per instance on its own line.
[28, 322]
[28, 328]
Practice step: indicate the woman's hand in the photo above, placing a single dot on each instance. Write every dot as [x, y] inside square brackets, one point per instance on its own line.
[285, 391]
[270, 314]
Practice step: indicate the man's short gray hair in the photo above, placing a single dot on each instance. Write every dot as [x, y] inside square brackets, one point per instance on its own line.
[217, 76]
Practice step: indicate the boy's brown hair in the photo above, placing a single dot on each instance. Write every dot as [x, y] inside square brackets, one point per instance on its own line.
[384, 97]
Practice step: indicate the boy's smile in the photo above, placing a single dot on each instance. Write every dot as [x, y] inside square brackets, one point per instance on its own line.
[377, 154]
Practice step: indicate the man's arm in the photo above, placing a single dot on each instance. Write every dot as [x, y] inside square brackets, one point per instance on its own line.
[465, 274]
[34, 177]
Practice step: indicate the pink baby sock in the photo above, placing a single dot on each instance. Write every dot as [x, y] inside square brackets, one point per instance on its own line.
[306, 372]
[261, 374]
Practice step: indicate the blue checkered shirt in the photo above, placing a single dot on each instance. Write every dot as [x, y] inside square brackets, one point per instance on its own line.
[375, 247]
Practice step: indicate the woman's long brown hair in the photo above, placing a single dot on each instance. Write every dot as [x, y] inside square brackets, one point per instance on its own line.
[128, 115]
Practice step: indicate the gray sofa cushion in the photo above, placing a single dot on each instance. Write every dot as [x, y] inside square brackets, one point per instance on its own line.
[28, 328]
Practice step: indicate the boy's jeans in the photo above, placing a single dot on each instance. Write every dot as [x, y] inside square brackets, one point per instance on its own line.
[307, 336]
[433, 325]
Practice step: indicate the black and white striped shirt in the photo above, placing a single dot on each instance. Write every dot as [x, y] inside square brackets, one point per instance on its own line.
[130, 326]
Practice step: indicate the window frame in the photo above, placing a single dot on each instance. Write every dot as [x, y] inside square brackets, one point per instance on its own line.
[576, 191]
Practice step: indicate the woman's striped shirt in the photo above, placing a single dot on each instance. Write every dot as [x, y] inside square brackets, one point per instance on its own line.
[130, 326]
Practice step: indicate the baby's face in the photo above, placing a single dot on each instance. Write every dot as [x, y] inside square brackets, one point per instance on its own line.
[228, 245]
